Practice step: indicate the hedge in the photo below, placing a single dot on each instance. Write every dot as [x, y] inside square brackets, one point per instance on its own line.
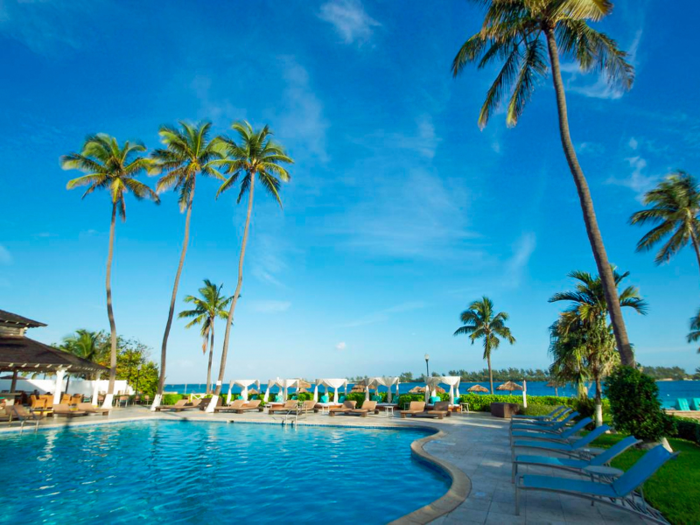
[688, 429]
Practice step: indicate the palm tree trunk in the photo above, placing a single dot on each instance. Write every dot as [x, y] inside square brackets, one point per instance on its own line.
[589, 217]
[110, 310]
[488, 360]
[229, 321]
[185, 241]
[598, 403]
[211, 356]
[694, 238]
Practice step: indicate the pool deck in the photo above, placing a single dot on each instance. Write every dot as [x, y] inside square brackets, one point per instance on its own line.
[472, 448]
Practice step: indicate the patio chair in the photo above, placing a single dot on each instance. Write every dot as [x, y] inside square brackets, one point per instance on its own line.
[87, 407]
[289, 406]
[619, 494]
[682, 404]
[76, 398]
[21, 414]
[179, 405]
[441, 409]
[554, 414]
[235, 405]
[65, 410]
[65, 399]
[563, 436]
[575, 465]
[577, 448]
[308, 406]
[251, 406]
[367, 407]
[554, 425]
[415, 408]
[347, 407]
[696, 403]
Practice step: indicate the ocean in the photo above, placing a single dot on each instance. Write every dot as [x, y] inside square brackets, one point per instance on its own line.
[669, 391]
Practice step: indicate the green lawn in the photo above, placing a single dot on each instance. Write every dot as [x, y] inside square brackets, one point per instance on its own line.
[675, 489]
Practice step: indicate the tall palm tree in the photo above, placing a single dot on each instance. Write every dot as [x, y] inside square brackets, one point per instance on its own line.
[694, 334]
[525, 34]
[210, 304]
[480, 321]
[675, 204]
[109, 166]
[582, 333]
[255, 156]
[188, 152]
[86, 345]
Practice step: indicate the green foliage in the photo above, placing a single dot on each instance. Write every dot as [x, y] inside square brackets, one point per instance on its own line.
[535, 409]
[665, 372]
[688, 429]
[304, 396]
[502, 375]
[171, 399]
[406, 377]
[635, 405]
[356, 396]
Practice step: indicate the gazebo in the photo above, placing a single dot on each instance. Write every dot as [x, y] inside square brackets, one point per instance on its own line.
[18, 354]
[244, 384]
[388, 382]
[284, 384]
[334, 383]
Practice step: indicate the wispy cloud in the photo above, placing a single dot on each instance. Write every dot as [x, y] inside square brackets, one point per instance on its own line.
[523, 249]
[268, 262]
[639, 180]
[220, 111]
[384, 315]
[5, 256]
[341, 346]
[349, 19]
[590, 148]
[270, 307]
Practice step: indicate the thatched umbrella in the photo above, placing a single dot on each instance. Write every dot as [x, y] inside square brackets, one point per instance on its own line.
[510, 386]
[478, 388]
[253, 392]
[417, 390]
[555, 385]
[358, 388]
[303, 385]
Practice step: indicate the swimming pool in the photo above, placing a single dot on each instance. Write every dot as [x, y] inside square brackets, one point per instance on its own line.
[198, 472]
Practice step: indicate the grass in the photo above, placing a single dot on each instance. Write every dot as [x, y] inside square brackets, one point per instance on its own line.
[675, 489]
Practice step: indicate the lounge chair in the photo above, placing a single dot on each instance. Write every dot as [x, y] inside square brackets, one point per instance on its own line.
[414, 409]
[179, 405]
[367, 407]
[563, 435]
[575, 465]
[696, 403]
[21, 414]
[250, 406]
[65, 410]
[577, 448]
[289, 406]
[682, 404]
[441, 409]
[619, 494]
[347, 406]
[65, 399]
[236, 404]
[308, 406]
[87, 407]
[204, 403]
[554, 414]
[554, 425]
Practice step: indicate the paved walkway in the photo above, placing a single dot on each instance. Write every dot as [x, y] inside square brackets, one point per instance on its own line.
[476, 443]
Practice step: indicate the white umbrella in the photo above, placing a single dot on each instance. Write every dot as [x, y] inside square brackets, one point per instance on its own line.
[453, 382]
[388, 382]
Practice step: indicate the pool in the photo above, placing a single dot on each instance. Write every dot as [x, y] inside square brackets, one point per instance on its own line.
[199, 472]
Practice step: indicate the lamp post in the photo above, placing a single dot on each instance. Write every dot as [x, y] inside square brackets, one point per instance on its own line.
[427, 368]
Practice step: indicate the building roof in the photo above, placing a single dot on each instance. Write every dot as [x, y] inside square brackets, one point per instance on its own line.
[10, 318]
[32, 356]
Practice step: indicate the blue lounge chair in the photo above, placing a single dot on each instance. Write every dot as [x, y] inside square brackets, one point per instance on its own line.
[696, 403]
[562, 436]
[554, 414]
[620, 493]
[682, 404]
[569, 449]
[575, 465]
[556, 425]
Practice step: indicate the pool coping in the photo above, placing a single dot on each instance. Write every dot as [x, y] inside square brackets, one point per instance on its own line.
[457, 493]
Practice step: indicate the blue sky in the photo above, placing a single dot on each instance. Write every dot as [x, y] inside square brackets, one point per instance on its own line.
[400, 210]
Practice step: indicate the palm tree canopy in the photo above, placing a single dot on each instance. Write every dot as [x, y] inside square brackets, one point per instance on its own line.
[480, 321]
[514, 32]
[107, 165]
[254, 154]
[694, 334]
[210, 304]
[188, 151]
[673, 208]
[87, 345]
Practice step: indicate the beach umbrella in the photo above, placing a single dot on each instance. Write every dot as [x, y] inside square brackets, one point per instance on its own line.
[253, 392]
[453, 382]
[478, 388]
[304, 385]
[417, 390]
[510, 386]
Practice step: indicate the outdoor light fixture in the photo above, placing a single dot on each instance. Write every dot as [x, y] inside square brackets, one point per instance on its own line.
[427, 368]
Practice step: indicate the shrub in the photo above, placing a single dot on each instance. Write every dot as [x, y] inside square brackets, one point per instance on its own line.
[405, 399]
[356, 396]
[688, 429]
[171, 399]
[305, 396]
[635, 405]
[535, 409]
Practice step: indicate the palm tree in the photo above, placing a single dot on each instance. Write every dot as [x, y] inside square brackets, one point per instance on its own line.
[480, 322]
[254, 156]
[109, 166]
[694, 334]
[207, 307]
[86, 345]
[522, 33]
[188, 152]
[582, 333]
[675, 204]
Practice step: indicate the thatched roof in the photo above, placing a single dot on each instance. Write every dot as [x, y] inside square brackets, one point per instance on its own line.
[477, 388]
[22, 353]
[10, 318]
[509, 385]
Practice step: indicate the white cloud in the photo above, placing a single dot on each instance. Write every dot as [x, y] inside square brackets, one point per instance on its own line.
[349, 19]
[384, 315]
[268, 254]
[523, 249]
[218, 111]
[341, 346]
[633, 144]
[270, 307]
[5, 256]
[591, 148]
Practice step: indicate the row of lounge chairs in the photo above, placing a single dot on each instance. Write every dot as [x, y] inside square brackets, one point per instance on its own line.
[557, 435]
[683, 405]
[439, 410]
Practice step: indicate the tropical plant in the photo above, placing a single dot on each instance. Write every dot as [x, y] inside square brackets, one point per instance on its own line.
[694, 334]
[673, 206]
[207, 307]
[525, 35]
[582, 343]
[480, 321]
[254, 156]
[188, 153]
[87, 345]
[109, 166]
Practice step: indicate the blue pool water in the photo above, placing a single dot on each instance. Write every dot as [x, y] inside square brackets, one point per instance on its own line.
[187, 472]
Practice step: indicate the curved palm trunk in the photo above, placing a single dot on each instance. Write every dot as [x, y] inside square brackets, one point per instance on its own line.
[185, 241]
[694, 238]
[488, 360]
[110, 310]
[211, 356]
[229, 321]
[589, 217]
[598, 402]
